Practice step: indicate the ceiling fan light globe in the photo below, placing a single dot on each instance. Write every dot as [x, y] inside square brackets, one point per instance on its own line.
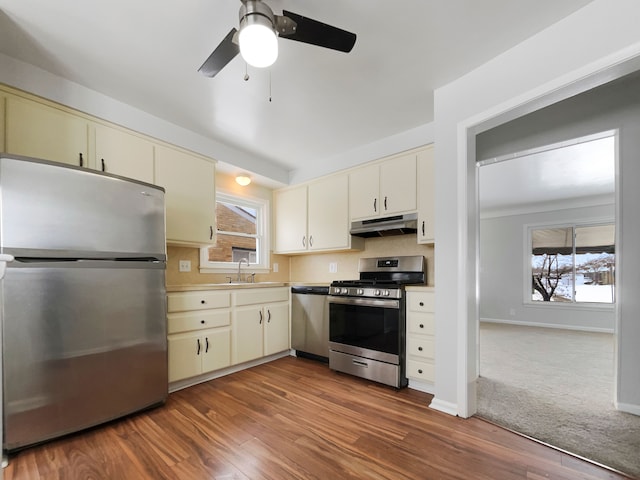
[258, 45]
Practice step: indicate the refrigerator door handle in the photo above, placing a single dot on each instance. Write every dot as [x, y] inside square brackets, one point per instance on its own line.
[4, 259]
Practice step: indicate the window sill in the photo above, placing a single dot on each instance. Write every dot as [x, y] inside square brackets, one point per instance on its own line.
[246, 270]
[572, 306]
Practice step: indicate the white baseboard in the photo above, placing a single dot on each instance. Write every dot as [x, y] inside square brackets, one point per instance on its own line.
[443, 406]
[421, 386]
[580, 328]
[628, 407]
[189, 382]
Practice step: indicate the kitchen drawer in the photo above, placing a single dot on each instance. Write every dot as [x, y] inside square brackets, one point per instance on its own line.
[421, 370]
[252, 296]
[423, 323]
[186, 321]
[421, 301]
[204, 300]
[422, 346]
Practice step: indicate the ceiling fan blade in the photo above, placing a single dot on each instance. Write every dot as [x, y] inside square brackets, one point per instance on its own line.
[223, 54]
[320, 34]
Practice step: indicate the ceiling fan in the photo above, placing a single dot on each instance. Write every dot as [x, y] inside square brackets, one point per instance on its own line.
[257, 40]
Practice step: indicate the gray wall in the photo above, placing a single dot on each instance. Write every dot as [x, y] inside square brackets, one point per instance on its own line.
[612, 106]
[503, 255]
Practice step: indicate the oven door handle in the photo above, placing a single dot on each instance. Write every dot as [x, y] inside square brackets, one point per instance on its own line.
[365, 302]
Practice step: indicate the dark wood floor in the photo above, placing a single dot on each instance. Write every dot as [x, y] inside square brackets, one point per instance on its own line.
[295, 419]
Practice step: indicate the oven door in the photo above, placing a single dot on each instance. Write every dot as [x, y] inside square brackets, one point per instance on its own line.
[367, 327]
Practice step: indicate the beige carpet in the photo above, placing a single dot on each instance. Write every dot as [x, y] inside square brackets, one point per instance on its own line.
[557, 386]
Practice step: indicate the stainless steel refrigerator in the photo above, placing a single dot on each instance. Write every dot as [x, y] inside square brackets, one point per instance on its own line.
[84, 336]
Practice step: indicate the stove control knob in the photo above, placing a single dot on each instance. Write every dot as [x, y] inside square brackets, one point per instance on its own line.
[377, 293]
[344, 290]
[360, 291]
[386, 293]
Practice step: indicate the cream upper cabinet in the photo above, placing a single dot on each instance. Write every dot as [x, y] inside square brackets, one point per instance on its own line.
[315, 217]
[123, 153]
[328, 214]
[37, 130]
[426, 197]
[364, 192]
[291, 220]
[3, 100]
[383, 189]
[190, 196]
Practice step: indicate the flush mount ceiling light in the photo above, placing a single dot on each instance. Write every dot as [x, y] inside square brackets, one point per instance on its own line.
[257, 38]
[259, 30]
[243, 179]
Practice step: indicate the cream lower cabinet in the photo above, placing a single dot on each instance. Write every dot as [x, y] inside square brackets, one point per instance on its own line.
[37, 130]
[421, 336]
[199, 328]
[260, 323]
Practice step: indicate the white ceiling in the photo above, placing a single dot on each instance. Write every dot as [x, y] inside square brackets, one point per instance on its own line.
[579, 173]
[324, 105]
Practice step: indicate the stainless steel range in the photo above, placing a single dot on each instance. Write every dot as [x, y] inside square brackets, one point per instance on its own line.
[367, 319]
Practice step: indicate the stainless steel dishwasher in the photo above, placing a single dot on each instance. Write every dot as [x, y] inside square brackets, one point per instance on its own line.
[310, 321]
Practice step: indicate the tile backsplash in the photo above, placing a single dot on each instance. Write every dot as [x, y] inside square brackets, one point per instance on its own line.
[306, 268]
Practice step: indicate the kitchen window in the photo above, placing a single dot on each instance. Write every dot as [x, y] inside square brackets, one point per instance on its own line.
[241, 224]
[572, 264]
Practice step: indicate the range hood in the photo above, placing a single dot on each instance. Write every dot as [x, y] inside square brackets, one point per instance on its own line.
[387, 226]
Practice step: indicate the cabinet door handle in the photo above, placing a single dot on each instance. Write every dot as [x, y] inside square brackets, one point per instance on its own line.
[421, 325]
[423, 228]
[422, 304]
[198, 352]
[311, 241]
[206, 349]
[419, 349]
[268, 316]
[260, 317]
[104, 165]
[420, 371]
[375, 205]
[385, 203]
[304, 240]
[81, 160]
[210, 232]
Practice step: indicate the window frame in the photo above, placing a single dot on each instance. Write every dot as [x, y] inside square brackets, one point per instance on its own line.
[528, 268]
[262, 236]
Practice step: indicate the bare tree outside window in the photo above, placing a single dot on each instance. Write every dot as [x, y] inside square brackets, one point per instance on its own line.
[573, 264]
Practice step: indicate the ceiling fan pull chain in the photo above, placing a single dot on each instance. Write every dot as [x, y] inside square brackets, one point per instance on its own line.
[246, 74]
[269, 85]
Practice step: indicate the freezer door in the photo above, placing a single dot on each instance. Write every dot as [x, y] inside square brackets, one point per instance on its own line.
[54, 210]
[83, 343]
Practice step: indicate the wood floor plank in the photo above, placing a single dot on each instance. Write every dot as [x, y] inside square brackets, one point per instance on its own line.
[296, 419]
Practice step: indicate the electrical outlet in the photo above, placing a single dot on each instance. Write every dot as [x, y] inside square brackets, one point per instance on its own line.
[333, 267]
[275, 268]
[185, 265]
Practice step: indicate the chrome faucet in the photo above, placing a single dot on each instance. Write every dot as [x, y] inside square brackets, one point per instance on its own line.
[239, 265]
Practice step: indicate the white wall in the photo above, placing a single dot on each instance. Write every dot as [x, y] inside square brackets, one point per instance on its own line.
[503, 255]
[566, 57]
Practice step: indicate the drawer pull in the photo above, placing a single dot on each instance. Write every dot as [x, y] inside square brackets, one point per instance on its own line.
[422, 304]
[420, 371]
[422, 325]
[203, 302]
[419, 349]
[202, 322]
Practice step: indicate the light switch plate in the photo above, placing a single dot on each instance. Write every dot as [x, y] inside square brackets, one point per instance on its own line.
[275, 268]
[185, 265]
[333, 267]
